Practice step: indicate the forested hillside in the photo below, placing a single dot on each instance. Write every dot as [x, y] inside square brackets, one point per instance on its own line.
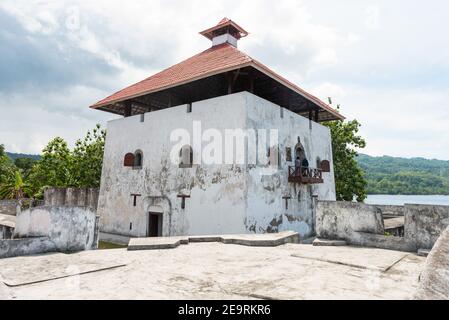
[391, 175]
[14, 156]
[385, 175]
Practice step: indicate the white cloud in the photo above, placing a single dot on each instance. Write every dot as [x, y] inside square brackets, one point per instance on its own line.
[30, 120]
[399, 122]
[386, 67]
[328, 89]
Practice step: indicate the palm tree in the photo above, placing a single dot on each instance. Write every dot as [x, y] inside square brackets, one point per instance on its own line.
[15, 189]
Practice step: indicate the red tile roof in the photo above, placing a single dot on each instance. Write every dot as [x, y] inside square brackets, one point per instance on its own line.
[223, 21]
[215, 60]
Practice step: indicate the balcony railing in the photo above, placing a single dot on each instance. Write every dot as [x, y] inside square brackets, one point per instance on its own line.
[305, 175]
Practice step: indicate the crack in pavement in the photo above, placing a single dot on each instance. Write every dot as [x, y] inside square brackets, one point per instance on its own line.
[62, 277]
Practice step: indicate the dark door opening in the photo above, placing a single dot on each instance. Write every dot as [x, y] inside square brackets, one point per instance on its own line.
[155, 225]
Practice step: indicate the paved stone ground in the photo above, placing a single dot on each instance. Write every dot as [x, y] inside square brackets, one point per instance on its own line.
[215, 271]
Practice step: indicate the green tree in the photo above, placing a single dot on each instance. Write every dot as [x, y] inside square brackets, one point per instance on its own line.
[54, 168]
[25, 165]
[16, 188]
[6, 166]
[349, 178]
[61, 167]
[88, 158]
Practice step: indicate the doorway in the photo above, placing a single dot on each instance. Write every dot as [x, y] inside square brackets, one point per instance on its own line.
[154, 224]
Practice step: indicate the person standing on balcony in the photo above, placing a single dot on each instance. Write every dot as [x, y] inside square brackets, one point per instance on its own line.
[305, 163]
[297, 166]
[305, 167]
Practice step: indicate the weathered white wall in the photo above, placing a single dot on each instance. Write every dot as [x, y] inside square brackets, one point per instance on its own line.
[424, 224]
[266, 209]
[78, 197]
[26, 246]
[68, 228]
[362, 224]
[339, 220]
[9, 207]
[224, 198]
[217, 192]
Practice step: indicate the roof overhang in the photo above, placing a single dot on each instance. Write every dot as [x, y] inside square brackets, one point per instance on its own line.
[202, 76]
[254, 64]
[298, 90]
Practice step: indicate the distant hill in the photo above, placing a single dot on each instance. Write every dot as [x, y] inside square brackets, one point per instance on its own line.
[385, 175]
[419, 176]
[14, 156]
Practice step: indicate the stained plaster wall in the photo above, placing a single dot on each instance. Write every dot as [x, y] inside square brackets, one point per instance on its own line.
[81, 197]
[266, 209]
[362, 224]
[223, 199]
[424, 224]
[52, 228]
[9, 207]
[68, 228]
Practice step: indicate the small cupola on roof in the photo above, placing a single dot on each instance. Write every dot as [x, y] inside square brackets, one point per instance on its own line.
[226, 31]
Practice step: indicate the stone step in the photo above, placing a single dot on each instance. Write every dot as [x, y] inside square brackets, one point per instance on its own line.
[259, 240]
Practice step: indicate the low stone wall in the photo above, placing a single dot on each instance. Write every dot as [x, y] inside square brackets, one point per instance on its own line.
[68, 228]
[380, 241]
[6, 232]
[424, 224]
[9, 207]
[339, 220]
[76, 197]
[26, 246]
[362, 224]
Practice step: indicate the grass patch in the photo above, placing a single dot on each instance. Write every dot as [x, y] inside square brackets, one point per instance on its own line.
[102, 245]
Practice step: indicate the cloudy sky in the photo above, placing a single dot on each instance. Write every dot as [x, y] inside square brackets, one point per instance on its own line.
[385, 62]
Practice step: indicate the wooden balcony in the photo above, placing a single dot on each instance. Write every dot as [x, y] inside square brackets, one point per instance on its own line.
[305, 175]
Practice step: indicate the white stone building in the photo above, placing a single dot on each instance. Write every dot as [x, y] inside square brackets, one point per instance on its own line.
[157, 183]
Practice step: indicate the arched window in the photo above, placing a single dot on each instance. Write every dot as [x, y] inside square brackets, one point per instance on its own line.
[128, 161]
[138, 158]
[325, 166]
[186, 157]
[300, 152]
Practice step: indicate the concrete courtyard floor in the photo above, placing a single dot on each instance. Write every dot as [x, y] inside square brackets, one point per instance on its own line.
[214, 271]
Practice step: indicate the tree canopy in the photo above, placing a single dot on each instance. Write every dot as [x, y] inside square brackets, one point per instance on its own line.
[57, 167]
[6, 166]
[350, 182]
[15, 189]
